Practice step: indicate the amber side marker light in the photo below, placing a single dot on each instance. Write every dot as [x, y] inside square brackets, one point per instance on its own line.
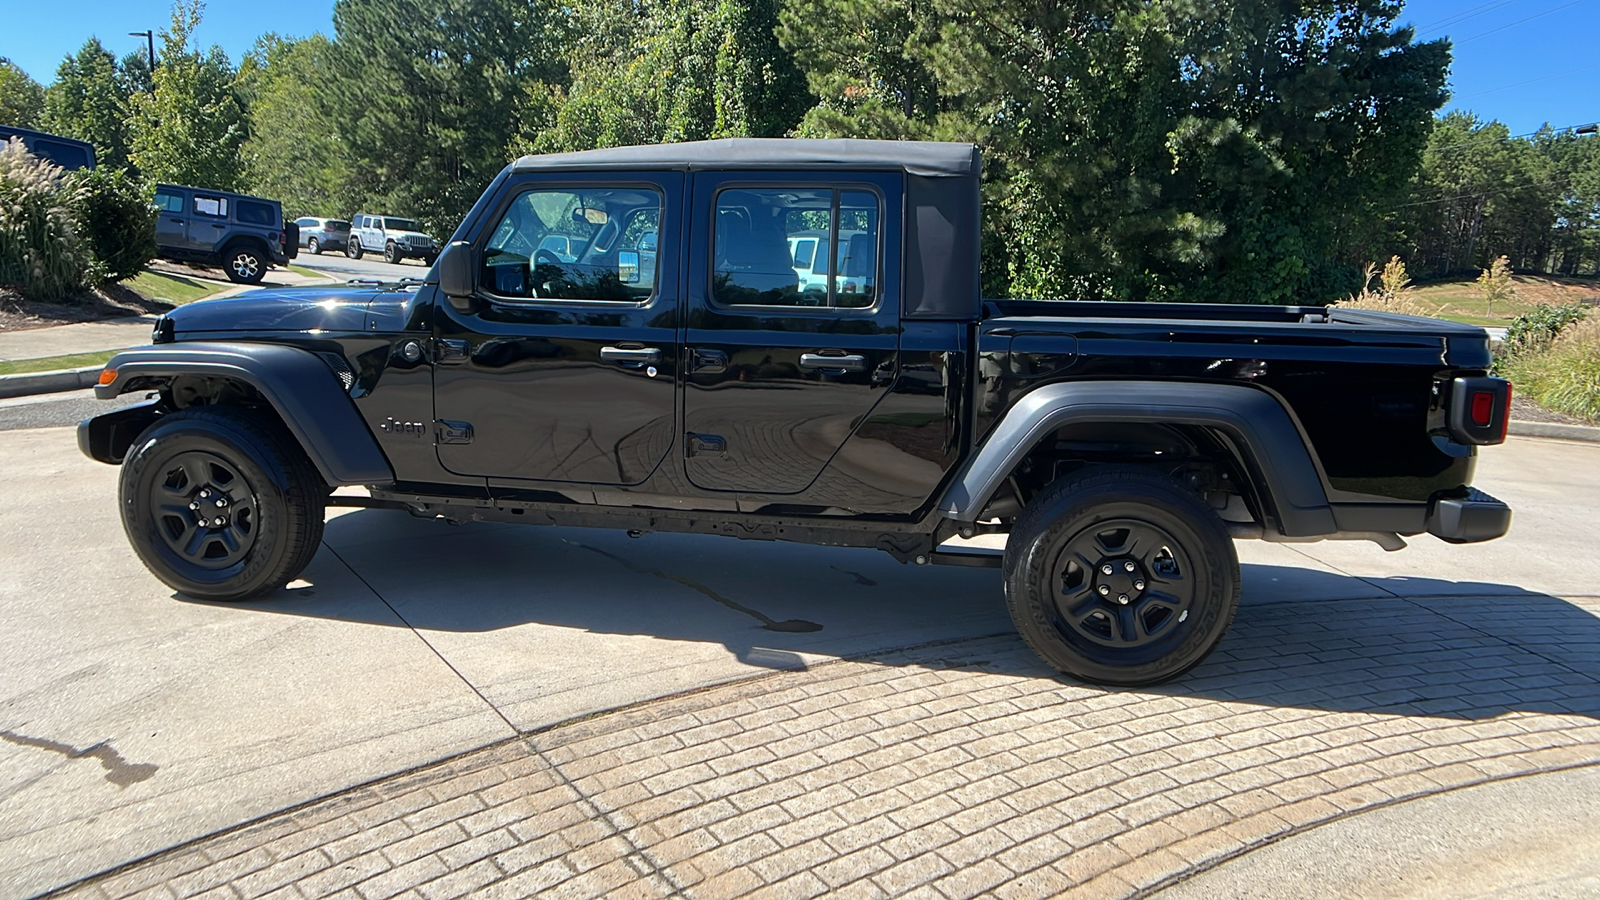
[107, 376]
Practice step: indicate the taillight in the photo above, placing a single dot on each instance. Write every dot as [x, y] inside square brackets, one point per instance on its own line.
[1479, 409]
[1482, 408]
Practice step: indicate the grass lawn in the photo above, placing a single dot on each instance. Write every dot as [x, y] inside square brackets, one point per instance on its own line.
[55, 363]
[308, 273]
[174, 289]
[1462, 300]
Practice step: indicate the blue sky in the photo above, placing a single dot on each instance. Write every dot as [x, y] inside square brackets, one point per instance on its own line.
[1524, 62]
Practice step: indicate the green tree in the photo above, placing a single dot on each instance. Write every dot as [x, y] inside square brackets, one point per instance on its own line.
[190, 128]
[21, 98]
[676, 70]
[1495, 283]
[89, 101]
[293, 154]
[1208, 149]
[428, 96]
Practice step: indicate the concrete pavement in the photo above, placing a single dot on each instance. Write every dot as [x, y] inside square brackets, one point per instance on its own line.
[136, 721]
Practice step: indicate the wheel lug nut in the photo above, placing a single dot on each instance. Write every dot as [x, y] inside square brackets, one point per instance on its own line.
[1104, 591]
[1106, 569]
[1138, 585]
[1122, 598]
[219, 521]
[1128, 566]
[195, 504]
[221, 502]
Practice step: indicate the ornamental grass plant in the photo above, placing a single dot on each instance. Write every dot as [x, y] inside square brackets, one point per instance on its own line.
[40, 251]
[1565, 374]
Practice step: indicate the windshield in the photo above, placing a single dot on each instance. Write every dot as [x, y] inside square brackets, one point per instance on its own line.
[400, 225]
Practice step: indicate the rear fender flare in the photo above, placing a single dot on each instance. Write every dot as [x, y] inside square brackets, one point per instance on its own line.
[306, 394]
[1254, 420]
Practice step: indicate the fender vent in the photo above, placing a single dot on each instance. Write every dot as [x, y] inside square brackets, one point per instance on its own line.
[340, 368]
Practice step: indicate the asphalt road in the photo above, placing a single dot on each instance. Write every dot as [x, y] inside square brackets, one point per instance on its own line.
[336, 265]
[66, 408]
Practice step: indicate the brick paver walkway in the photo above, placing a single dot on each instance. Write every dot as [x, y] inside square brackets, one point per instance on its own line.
[953, 770]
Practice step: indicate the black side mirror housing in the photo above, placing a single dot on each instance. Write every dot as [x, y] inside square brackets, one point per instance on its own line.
[457, 274]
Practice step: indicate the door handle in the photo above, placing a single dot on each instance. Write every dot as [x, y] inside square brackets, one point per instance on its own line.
[851, 363]
[631, 355]
[708, 361]
[179, 221]
[219, 227]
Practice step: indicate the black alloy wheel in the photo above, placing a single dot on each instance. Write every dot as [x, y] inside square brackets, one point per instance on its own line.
[315, 246]
[391, 253]
[244, 265]
[352, 248]
[220, 504]
[1121, 576]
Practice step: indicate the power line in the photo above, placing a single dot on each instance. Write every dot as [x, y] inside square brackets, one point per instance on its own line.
[1529, 81]
[1463, 16]
[1516, 23]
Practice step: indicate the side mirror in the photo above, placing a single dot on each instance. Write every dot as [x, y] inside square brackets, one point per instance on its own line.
[457, 271]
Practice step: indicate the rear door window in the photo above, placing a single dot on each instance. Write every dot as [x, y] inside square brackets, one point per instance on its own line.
[216, 207]
[167, 202]
[757, 249]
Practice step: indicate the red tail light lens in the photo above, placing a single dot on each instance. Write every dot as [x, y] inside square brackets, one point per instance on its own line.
[1482, 408]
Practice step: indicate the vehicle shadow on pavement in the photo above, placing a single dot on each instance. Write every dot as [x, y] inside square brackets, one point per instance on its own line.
[1302, 638]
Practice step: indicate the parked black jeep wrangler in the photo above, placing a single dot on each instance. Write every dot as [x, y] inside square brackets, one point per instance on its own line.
[242, 234]
[678, 367]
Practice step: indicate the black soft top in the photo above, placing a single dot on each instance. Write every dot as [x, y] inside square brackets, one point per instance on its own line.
[941, 247]
[926, 159]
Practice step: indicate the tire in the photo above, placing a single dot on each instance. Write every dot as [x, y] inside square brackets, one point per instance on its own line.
[353, 248]
[430, 260]
[391, 254]
[1169, 555]
[244, 264]
[314, 246]
[247, 470]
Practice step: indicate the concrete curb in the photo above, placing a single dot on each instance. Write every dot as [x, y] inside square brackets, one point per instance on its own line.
[51, 382]
[1552, 430]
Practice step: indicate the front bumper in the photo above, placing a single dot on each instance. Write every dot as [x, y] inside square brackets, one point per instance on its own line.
[1466, 520]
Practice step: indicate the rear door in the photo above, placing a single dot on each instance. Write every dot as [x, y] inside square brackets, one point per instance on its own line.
[208, 221]
[782, 367]
[565, 369]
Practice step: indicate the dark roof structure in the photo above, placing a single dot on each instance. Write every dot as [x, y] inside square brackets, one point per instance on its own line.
[926, 159]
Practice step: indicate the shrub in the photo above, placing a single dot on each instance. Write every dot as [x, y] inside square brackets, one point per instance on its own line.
[117, 220]
[1565, 376]
[1536, 329]
[40, 252]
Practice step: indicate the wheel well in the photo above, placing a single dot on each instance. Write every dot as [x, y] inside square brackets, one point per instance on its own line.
[238, 242]
[1201, 458]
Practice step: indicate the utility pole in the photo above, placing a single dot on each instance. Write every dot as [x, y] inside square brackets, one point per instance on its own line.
[150, 44]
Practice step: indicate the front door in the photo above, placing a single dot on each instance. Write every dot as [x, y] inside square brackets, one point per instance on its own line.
[172, 221]
[564, 370]
[785, 356]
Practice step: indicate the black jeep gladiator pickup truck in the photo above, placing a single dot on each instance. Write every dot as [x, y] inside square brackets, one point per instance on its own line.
[785, 340]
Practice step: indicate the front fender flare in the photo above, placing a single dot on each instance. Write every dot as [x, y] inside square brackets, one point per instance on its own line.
[301, 388]
[1253, 419]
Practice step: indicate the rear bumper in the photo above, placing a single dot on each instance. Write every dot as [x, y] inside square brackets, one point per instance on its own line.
[1466, 520]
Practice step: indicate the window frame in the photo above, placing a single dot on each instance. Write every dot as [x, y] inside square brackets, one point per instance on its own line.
[837, 188]
[492, 222]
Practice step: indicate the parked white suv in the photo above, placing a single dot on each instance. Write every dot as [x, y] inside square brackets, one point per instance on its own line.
[396, 238]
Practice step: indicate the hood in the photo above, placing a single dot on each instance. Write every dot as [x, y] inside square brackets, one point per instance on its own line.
[319, 307]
